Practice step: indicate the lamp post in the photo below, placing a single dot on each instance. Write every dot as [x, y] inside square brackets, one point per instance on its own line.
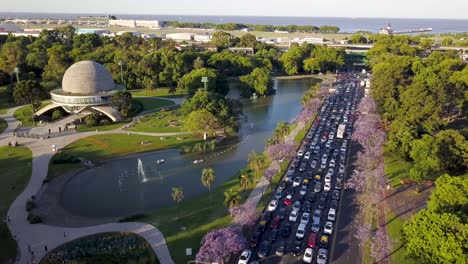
[204, 80]
[121, 73]
[17, 71]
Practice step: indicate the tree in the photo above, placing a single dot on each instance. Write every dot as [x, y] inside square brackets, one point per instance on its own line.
[447, 42]
[256, 161]
[223, 39]
[29, 92]
[381, 245]
[245, 215]
[245, 178]
[358, 39]
[231, 199]
[56, 114]
[202, 121]
[58, 63]
[292, 60]
[122, 100]
[207, 178]
[452, 151]
[91, 120]
[198, 63]
[193, 81]
[259, 81]
[425, 162]
[248, 40]
[221, 245]
[177, 195]
[450, 196]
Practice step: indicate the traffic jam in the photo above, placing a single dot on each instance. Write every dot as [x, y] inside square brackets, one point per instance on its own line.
[298, 223]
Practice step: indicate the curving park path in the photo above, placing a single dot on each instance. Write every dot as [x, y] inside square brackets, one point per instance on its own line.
[39, 237]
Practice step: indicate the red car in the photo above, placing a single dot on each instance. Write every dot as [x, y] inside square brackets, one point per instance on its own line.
[288, 200]
[275, 223]
[312, 241]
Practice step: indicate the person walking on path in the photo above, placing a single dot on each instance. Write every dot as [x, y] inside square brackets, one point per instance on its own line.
[8, 219]
[45, 247]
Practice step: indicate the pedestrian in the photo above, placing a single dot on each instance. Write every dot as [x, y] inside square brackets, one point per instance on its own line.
[8, 219]
[49, 131]
[45, 247]
[64, 234]
[29, 248]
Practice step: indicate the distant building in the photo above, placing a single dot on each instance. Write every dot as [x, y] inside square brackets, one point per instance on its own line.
[135, 23]
[10, 28]
[180, 36]
[87, 87]
[245, 51]
[92, 31]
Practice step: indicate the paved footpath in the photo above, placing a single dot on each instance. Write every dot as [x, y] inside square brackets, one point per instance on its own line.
[36, 237]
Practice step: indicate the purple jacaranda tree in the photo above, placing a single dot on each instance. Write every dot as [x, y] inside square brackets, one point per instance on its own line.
[221, 245]
[281, 151]
[363, 232]
[313, 104]
[367, 106]
[304, 116]
[268, 175]
[381, 244]
[245, 214]
[356, 181]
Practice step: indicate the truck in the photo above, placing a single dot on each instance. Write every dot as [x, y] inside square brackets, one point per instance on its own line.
[340, 131]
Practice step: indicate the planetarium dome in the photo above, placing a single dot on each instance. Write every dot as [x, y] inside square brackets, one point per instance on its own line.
[87, 78]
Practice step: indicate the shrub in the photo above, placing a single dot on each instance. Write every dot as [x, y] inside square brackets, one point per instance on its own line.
[34, 218]
[65, 158]
[57, 114]
[131, 218]
[30, 204]
[104, 122]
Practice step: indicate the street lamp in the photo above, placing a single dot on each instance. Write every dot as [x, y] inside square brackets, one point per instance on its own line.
[17, 71]
[204, 80]
[121, 72]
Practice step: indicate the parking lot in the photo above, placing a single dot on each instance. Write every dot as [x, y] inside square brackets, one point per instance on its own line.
[299, 222]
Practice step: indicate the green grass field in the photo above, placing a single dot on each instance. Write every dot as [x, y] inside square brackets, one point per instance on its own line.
[104, 248]
[160, 122]
[3, 125]
[5, 103]
[83, 128]
[394, 229]
[16, 167]
[153, 103]
[100, 147]
[159, 92]
[24, 114]
[396, 169]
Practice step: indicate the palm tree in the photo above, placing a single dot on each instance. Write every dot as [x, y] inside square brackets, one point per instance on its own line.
[207, 178]
[256, 161]
[232, 199]
[245, 178]
[177, 195]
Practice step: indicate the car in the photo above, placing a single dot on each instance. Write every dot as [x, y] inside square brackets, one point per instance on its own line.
[297, 181]
[308, 255]
[324, 240]
[315, 225]
[300, 153]
[316, 149]
[321, 203]
[288, 178]
[334, 204]
[281, 213]
[296, 251]
[343, 148]
[323, 165]
[336, 195]
[278, 194]
[307, 155]
[288, 200]
[340, 177]
[268, 216]
[317, 215]
[275, 223]
[328, 228]
[323, 139]
[245, 257]
[253, 240]
[317, 178]
[261, 226]
[305, 182]
[300, 233]
[291, 169]
[282, 185]
[272, 205]
[293, 216]
[318, 187]
[327, 186]
[303, 166]
[331, 214]
[342, 169]
[313, 164]
[305, 218]
[286, 229]
[290, 191]
[303, 190]
[338, 185]
[312, 241]
[264, 249]
[281, 248]
[297, 206]
[328, 144]
[324, 157]
[332, 163]
[307, 207]
[273, 235]
[311, 197]
[328, 177]
[322, 256]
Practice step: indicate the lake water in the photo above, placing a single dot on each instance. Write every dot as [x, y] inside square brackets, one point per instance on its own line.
[346, 24]
[116, 189]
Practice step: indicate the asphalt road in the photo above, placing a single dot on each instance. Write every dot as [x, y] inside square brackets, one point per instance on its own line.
[341, 243]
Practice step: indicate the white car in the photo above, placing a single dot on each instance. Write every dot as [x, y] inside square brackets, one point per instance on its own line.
[308, 254]
[324, 157]
[331, 135]
[307, 155]
[297, 206]
[300, 233]
[313, 164]
[332, 163]
[293, 216]
[322, 256]
[327, 186]
[305, 218]
[343, 148]
[315, 225]
[245, 257]
[272, 205]
[303, 190]
[328, 145]
[328, 228]
[328, 178]
[297, 181]
[342, 168]
[323, 165]
[300, 153]
[331, 214]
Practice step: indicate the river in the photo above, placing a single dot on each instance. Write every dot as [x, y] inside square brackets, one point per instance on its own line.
[116, 188]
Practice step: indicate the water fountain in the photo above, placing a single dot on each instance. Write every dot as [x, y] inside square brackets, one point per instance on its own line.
[141, 172]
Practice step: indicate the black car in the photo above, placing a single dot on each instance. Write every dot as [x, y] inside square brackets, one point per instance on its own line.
[336, 195]
[290, 191]
[282, 213]
[286, 230]
[311, 197]
[273, 235]
[296, 251]
[338, 185]
[253, 240]
[268, 216]
[281, 249]
[321, 202]
[303, 166]
[309, 176]
[334, 204]
[261, 226]
[307, 207]
[264, 249]
[282, 185]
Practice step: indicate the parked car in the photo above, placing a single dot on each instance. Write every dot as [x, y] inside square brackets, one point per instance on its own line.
[307, 207]
[300, 153]
[296, 251]
[262, 226]
[305, 218]
[245, 257]
[275, 223]
[253, 240]
[281, 248]
[327, 186]
[287, 200]
[297, 206]
[312, 241]
[286, 229]
[268, 216]
[322, 256]
[281, 213]
[324, 239]
[300, 233]
[317, 215]
[272, 205]
[273, 235]
[303, 190]
[328, 228]
[278, 194]
[264, 249]
[331, 214]
[297, 181]
[311, 197]
[318, 187]
[315, 226]
[308, 255]
[336, 195]
[293, 216]
[307, 155]
[313, 164]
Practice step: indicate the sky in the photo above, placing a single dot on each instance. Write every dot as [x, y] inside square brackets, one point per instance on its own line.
[454, 9]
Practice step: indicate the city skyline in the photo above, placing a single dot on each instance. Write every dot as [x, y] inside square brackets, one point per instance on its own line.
[452, 9]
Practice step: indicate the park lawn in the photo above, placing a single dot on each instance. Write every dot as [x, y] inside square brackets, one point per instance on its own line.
[16, 168]
[303, 132]
[83, 128]
[104, 248]
[3, 125]
[100, 147]
[396, 169]
[159, 92]
[24, 114]
[160, 122]
[394, 229]
[5, 103]
[153, 103]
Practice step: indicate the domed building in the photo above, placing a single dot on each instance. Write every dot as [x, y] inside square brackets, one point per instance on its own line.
[87, 87]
